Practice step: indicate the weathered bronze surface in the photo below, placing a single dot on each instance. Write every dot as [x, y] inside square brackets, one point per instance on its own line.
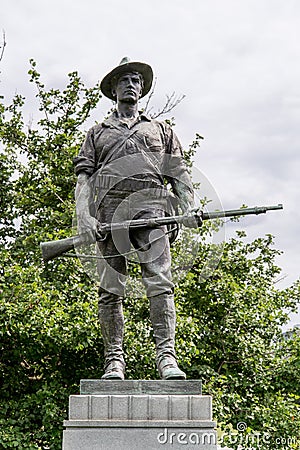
[123, 165]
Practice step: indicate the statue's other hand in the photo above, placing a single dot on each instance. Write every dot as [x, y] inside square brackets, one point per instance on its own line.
[193, 218]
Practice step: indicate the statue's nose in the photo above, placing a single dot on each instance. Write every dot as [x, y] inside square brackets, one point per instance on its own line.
[130, 82]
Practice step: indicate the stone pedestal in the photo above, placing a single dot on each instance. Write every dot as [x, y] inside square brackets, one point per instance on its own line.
[139, 415]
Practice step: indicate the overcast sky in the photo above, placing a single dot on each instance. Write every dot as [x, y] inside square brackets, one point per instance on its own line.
[237, 62]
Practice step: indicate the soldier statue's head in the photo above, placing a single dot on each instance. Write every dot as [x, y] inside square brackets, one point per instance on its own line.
[137, 73]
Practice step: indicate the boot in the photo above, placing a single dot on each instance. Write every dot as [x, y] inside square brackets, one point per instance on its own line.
[163, 318]
[112, 326]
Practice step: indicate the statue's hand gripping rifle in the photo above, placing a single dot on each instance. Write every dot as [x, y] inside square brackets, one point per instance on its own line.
[54, 249]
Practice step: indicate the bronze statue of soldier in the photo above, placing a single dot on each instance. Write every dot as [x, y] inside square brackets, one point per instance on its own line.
[123, 165]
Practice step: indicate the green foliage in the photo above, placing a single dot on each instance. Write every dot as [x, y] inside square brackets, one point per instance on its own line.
[229, 317]
[49, 337]
[234, 341]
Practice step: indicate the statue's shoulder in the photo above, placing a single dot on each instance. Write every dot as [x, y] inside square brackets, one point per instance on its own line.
[164, 126]
[96, 128]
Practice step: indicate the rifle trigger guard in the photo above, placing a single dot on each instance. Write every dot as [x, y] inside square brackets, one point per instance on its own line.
[100, 236]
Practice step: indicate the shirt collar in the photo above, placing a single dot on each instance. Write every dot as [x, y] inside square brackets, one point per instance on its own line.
[113, 119]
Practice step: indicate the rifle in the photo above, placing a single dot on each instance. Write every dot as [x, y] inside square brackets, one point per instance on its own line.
[54, 249]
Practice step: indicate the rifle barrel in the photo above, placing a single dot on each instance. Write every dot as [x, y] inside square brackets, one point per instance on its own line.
[158, 221]
[239, 212]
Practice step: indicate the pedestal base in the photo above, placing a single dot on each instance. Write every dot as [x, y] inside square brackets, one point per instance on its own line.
[121, 415]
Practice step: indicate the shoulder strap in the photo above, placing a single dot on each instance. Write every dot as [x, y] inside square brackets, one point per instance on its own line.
[112, 150]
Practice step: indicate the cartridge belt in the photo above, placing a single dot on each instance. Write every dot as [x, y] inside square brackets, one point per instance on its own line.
[130, 185]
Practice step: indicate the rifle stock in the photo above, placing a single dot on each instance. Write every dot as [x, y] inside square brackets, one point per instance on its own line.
[54, 249]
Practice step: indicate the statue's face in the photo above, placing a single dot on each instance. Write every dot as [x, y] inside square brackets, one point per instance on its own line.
[128, 88]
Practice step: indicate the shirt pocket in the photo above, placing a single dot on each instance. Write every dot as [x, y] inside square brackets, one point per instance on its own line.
[153, 142]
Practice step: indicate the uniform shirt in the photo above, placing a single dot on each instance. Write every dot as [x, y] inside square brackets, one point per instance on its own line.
[145, 150]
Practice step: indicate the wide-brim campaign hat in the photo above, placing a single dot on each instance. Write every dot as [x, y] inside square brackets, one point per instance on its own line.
[126, 66]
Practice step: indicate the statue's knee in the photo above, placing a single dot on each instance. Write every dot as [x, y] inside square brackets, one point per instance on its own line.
[109, 298]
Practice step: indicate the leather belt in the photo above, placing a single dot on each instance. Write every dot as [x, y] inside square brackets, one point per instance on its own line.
[130, 185]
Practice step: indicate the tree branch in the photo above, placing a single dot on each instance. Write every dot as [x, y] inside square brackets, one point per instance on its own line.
[150, 96]
[3, 45]
[171, 103]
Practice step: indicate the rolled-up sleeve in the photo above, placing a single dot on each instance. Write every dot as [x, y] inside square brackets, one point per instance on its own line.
[85, 161]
